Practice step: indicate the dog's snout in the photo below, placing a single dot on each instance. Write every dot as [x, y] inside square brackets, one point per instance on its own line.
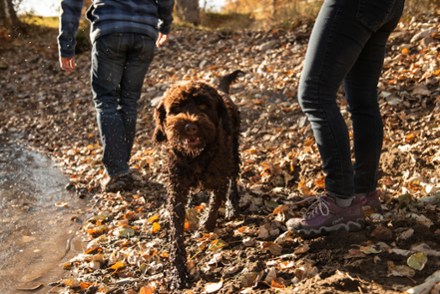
[191, 128]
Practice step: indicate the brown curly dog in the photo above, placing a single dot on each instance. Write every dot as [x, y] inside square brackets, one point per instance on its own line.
[198, 128]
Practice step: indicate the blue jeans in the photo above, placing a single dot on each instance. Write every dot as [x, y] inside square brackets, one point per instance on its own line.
[347, 45]
[119, 64]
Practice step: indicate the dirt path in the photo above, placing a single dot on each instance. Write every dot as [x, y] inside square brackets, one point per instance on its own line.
[53, 112]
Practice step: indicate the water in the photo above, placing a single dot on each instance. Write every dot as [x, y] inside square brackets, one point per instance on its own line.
[37, 219]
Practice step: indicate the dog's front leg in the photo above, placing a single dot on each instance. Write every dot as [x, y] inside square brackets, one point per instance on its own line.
[177, 198]
[219, 196]
[232, 201]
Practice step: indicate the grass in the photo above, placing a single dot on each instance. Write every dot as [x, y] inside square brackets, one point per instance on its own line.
[46, 22]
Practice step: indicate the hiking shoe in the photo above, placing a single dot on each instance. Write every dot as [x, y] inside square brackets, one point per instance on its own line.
[325, 216]
[116, 183]
[370, 201]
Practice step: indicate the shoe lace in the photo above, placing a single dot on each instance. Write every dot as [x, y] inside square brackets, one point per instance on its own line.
[320, 206]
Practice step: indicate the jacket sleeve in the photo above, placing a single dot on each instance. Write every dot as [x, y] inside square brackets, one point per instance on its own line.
[165, 15]
[69, 22]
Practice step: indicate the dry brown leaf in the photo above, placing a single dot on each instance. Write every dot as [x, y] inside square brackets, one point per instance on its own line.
[213, 287]
[118, 265]
[155, 228]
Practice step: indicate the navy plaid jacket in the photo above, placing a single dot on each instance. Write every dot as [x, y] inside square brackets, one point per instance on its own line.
[146, 17]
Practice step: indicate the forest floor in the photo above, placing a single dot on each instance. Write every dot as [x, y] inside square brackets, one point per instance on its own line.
[125, 240]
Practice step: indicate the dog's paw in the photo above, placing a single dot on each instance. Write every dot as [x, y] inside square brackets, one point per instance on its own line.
[180, 280]
[209, 225]
[232, 209]
[231, 213]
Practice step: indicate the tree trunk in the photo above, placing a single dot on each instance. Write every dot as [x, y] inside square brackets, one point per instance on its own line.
[188, 11]
[2, 13]
[8, 16]
[274, 9]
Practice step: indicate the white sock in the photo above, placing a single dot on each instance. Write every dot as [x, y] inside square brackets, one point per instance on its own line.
[343, 202]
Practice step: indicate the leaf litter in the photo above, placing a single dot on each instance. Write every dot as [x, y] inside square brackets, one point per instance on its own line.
[125, 238]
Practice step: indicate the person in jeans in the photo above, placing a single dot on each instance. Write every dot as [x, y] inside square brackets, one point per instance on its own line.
[124, 35]
[347, 45]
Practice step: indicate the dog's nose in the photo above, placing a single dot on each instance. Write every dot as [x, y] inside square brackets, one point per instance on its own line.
[191, 128]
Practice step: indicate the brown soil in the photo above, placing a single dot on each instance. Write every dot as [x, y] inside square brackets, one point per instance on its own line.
[52, 112]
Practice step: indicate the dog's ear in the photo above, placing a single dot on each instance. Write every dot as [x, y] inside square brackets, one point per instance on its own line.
[159, 120]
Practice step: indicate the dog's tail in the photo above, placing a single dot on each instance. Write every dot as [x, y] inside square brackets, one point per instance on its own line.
[227, 80]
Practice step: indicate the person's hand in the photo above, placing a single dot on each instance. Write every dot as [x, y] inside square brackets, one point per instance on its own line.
[161, 39]
[68, 64]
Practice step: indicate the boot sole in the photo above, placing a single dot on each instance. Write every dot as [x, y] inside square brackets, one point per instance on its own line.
[351, 226]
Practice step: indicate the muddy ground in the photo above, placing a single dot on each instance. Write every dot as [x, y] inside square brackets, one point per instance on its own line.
[125, 241]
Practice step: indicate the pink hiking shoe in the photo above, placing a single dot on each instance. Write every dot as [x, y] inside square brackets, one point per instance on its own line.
[325, 216]
[370, 200]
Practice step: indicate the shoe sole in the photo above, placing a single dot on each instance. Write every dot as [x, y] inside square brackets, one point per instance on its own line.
[351, 226]
[114, 187]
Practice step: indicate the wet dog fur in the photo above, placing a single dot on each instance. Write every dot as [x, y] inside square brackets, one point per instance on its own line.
[198, 128]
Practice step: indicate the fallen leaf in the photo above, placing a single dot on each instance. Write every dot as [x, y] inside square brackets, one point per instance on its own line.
[399, 270]
[423, 247]
[286, 264]
[302, 249]
[274, 248]
[421, 219]
[217, 244]
[118, 265]
[72, 283]
[248, 279]
[85, 285]
[153, 218]
[382, 233]
[305, 271]
[277, 285]
[417, 260]
[421, 90]
[248, 241]
[369, 249]
[270, 276]
[149, 289]
[213, 287]
[97, 231]
[406, 234]
[126, 232]
[280, 209]
[155, 228]
[427, 286]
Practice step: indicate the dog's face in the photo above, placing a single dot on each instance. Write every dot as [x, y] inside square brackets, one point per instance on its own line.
[188, 117]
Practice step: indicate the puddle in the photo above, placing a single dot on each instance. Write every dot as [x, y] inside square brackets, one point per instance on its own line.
[37, 220]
